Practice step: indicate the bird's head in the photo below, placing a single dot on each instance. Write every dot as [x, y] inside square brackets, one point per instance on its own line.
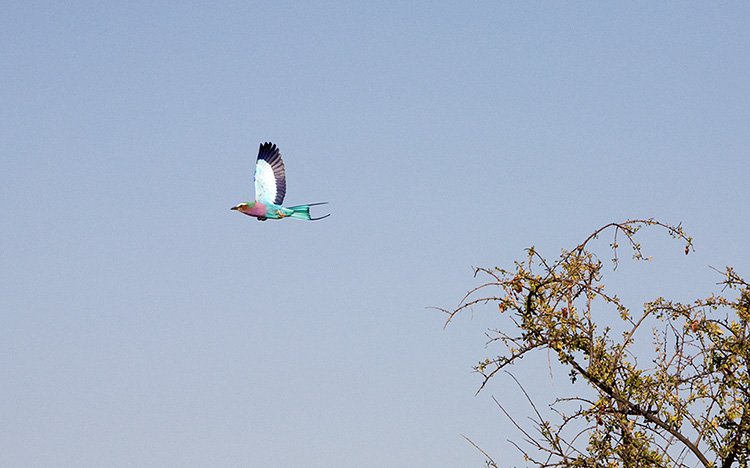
[243, 206]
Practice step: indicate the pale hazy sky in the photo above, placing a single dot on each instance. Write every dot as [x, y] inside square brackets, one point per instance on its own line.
[144, 324]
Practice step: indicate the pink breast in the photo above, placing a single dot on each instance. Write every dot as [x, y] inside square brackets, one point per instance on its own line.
[258, 209]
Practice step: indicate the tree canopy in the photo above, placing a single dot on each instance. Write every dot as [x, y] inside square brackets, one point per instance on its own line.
[685, 401]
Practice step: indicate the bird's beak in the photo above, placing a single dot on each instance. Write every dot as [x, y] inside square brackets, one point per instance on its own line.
[233, 208]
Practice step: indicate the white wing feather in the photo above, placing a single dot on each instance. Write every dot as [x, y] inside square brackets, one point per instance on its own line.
[265, 182]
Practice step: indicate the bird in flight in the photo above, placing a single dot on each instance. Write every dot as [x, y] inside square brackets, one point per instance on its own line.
[270, 187]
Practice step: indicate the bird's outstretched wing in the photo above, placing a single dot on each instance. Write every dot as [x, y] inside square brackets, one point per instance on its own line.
[270, 179]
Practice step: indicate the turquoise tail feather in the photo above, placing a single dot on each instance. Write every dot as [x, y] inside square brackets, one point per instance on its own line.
[303, 212]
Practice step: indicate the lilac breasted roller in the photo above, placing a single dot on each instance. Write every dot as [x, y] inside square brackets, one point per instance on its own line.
[270, 188]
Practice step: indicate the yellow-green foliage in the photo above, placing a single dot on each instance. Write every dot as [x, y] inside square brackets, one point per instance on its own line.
[688, 405]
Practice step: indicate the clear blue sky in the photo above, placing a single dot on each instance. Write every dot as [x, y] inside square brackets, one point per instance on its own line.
[143, 323]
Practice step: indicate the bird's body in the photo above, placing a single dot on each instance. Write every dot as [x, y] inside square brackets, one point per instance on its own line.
[264, 211]
[270, 188]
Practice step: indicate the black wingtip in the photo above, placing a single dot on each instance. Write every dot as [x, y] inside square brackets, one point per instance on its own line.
[269, 152]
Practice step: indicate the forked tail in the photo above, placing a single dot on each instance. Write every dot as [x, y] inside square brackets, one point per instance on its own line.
[303, 211]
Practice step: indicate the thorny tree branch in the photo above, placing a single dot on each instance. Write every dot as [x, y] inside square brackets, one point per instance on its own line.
[699, 382]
